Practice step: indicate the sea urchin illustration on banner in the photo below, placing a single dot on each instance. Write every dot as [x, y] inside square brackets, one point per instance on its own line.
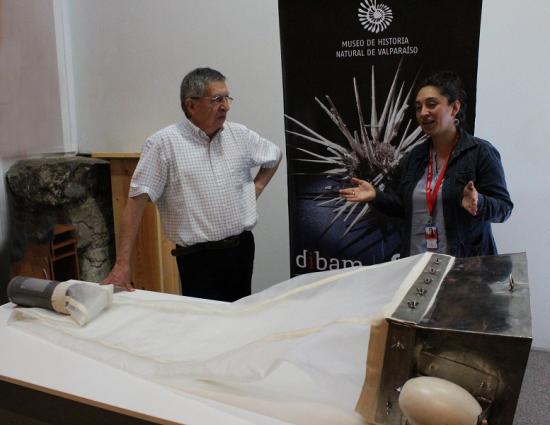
[373, 151]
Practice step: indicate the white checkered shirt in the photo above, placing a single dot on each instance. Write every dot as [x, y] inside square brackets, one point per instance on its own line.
[204, 189]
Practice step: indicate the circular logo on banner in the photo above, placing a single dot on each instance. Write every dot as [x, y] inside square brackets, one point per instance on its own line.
[374, 17]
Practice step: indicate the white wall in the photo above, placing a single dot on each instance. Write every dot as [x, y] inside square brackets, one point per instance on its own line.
[512, 112]
[30, 112]
[5, 242]
[129, 57]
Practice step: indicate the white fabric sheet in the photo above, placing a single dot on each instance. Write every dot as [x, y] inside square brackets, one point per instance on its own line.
[295, 351]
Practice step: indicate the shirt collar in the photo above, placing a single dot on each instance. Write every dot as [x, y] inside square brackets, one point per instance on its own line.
[196, 131]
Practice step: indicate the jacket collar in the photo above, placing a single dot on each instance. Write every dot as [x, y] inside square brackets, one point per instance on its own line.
[466, 141]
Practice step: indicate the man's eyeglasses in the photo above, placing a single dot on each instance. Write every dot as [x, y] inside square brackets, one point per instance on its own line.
[219, 99]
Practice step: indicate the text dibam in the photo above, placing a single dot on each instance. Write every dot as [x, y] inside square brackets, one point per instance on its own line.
[311, 260]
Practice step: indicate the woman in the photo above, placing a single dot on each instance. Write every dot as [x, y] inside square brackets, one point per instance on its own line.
[448, 189]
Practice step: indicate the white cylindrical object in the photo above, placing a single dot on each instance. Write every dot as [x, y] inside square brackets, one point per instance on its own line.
[433, 401]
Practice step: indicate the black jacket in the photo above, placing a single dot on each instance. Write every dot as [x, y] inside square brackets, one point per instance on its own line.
[472, 159]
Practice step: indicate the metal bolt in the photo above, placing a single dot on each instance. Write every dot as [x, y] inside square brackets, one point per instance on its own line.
[421, 291]
[428, 280]
[412, 304]
[397, 345]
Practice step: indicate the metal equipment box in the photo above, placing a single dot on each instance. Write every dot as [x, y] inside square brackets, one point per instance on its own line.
[467, 320]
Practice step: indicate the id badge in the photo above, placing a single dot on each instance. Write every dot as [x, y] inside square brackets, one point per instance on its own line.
[430, 233]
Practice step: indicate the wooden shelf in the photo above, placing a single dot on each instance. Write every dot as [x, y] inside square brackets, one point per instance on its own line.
[153, 266]
[59, 229]
[115, 155]
[64, 243]
[56, 260]
[59, 257]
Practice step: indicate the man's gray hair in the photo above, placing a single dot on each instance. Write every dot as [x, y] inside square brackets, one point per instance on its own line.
[195, 83]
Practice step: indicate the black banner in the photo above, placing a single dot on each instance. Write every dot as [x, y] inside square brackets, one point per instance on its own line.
[349, 68]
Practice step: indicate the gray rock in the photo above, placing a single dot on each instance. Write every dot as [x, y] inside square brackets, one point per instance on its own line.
[54, 181]
[96, 263]
[59, 190]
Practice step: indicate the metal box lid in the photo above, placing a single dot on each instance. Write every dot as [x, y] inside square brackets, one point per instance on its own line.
[488, 295]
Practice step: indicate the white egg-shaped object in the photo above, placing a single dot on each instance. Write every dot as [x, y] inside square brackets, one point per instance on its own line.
[434, 401]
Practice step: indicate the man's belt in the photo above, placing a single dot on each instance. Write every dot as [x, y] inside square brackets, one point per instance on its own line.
[230, 242]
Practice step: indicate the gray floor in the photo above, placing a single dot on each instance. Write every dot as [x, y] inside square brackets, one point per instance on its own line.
[534, 399]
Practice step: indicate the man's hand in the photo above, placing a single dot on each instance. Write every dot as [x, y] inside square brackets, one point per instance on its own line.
[120, 276]
[263, 177]
[470, 198]
[362, 192]
[131, 218]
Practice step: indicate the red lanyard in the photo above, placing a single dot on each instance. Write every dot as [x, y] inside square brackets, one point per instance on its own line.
[431, 195]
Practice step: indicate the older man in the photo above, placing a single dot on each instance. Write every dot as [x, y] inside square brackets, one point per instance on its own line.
[198, 172]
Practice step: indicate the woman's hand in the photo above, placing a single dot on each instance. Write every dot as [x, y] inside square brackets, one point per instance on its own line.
[469, 198]
[362, 192]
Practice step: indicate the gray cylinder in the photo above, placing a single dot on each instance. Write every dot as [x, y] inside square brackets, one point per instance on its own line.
[31, 292]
